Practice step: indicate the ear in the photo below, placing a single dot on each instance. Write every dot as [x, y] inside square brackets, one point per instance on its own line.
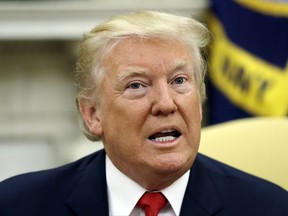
[201, 111]
[91, 115]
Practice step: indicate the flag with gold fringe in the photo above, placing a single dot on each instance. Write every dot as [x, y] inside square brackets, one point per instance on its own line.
[248, 66]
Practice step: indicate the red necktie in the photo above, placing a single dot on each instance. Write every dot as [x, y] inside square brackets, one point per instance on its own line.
[152, 203]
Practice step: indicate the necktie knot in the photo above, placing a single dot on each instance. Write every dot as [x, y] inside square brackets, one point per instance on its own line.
[152, 203]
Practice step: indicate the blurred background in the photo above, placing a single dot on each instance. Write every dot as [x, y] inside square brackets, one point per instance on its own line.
[39, 45]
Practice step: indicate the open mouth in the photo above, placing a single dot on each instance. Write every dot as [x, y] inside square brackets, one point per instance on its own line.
[165, 136]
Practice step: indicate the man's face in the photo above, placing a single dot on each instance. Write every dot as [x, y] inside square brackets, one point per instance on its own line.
[150, 112]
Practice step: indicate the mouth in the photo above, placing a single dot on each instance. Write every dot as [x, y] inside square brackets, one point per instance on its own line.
[167, 135]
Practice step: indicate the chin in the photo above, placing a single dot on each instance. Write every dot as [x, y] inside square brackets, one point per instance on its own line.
[173, 162]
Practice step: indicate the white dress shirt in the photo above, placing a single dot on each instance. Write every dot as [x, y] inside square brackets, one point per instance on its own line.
[124, 193]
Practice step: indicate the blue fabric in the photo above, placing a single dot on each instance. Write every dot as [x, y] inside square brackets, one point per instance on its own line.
[262, 35]
[220, 108]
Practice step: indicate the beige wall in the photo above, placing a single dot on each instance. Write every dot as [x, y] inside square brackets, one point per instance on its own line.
[37, 109]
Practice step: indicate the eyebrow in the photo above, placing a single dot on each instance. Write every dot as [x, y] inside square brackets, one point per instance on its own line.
[138, 71]
[180, 65]
[133, 72]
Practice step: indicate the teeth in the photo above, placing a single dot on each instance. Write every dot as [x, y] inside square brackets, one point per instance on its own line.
[167, 131]
[164, 139]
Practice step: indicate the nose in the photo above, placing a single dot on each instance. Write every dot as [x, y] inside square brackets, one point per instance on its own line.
[163, 102]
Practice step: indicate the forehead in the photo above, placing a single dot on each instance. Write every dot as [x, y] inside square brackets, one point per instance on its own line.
[147, 53]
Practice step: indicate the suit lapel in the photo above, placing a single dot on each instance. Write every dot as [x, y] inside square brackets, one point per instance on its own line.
[90, 194]
[200, 197]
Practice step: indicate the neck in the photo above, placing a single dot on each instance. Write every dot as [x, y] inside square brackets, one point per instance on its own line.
[154, 181]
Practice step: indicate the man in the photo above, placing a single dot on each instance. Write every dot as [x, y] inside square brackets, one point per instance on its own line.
[140, 90]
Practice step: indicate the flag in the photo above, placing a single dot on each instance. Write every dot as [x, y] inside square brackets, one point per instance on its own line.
[248, 66]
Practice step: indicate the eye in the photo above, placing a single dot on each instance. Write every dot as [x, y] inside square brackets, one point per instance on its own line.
[135, 90]
[179, 80]
[135, 85]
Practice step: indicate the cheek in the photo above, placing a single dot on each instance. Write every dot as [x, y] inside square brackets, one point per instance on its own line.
[191, 104]
[125, 118]
[192, 115]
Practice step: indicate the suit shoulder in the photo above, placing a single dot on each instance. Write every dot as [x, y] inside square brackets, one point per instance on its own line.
[45, 182]
[223, 170]
[231, 181]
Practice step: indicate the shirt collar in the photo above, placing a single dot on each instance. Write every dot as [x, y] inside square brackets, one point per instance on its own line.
[175, 199]
[124, 193]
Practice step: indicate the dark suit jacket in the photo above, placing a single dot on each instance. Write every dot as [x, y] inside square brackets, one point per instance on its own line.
[79, 188]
